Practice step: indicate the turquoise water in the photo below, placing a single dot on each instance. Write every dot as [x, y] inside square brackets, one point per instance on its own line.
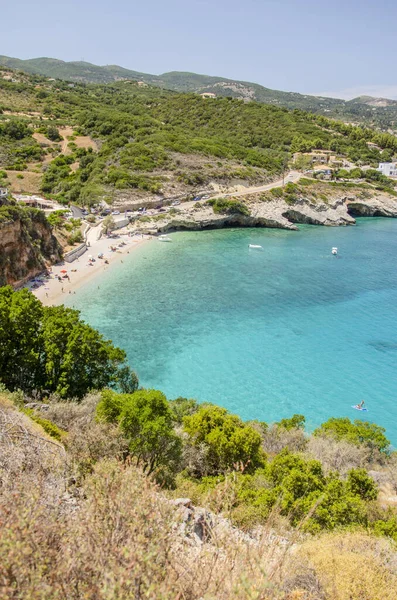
[265, 333]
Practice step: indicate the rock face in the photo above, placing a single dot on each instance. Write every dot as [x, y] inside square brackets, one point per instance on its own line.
[277, 213]
[377, 206]
[27, 247]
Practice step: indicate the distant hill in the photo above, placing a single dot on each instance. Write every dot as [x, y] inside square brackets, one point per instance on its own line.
[380, 112]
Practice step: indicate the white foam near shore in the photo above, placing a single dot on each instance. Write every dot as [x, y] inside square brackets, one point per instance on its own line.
[52, 291]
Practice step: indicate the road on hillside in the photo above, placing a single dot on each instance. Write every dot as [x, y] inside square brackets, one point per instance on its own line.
[291, 177]
[77, 212]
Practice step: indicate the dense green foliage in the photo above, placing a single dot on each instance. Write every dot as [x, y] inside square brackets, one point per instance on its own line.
[228, 207]
[146, 420]
[50, 350]
[230, 443]
[294, 422]
[17, 145]
[357, 110]
[146, 134]
[301, 490]
[13, 212]
[358, 432]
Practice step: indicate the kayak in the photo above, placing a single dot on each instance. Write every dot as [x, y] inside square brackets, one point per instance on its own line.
[358, 408]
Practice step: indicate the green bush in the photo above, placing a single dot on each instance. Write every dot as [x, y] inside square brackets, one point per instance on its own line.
[53, 134]
[358, 432]
[183, 407]
[296, 421]
[230, 207]
[146, 420]
[50, 350]
[231, 443]
[75, 238]
[49, 427]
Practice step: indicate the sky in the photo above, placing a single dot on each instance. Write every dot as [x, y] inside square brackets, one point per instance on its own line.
[339, 48]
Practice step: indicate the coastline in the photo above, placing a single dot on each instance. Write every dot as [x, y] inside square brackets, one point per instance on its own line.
[52, 292]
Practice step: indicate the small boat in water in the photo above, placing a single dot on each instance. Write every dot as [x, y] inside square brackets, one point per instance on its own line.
[254, 246]
[334, 251]
[164, 238]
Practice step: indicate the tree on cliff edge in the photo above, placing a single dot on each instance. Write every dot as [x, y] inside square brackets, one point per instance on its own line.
[51, 350]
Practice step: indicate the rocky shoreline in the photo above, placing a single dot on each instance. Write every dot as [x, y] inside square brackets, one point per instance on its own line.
[274, 213]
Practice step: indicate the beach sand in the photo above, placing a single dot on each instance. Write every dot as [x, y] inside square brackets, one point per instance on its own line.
[52, 291]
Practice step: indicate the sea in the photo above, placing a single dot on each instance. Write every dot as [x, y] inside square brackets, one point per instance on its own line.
[266, 332]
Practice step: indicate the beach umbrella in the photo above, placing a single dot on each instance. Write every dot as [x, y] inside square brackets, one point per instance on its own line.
[64, 271]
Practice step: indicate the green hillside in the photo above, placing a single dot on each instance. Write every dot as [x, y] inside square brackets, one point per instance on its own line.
[156, 141]
[363, 109]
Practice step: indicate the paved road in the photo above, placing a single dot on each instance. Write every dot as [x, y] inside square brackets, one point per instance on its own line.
[77, 212]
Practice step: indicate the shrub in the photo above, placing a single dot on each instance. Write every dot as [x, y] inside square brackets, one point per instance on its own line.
[145, 419]
[295, 422]
[277, 192]
[53, 134]
[231, 207]
[358, 432]
[337, 455]
[276, 438]
[183, 407]
[360, 484]
[75, 238]
[231, 443]
[49, 427]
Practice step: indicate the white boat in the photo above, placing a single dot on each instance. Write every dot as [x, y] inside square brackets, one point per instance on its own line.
[164, 238]
[334, 251]
[254, 246]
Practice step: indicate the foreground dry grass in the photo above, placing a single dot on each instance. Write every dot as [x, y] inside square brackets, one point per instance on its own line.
[353, 565]
[112, 534]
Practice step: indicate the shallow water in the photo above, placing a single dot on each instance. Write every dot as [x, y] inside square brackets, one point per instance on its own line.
[265, 333]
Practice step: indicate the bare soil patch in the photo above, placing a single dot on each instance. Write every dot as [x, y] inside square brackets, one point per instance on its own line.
[30, 183]
[81, 141]
[42, 139]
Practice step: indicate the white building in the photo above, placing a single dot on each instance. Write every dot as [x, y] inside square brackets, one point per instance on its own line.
[388, 169]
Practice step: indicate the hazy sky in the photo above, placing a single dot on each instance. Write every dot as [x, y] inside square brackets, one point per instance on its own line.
[342, 48]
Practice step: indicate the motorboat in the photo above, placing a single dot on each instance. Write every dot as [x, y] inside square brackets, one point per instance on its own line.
[334, 251]
[164, 238]
[254, 246]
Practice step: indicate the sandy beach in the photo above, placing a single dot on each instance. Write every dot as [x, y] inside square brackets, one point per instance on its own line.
[51, 291]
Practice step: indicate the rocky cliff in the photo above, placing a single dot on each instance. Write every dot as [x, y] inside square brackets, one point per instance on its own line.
[27, 245]
[275, 212]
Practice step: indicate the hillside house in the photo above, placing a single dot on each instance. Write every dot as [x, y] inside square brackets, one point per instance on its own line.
[208, 95]
[325, 174]
[388, 169]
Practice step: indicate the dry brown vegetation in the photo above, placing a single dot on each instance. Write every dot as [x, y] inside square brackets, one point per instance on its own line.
[30, 183]
[83, 523]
